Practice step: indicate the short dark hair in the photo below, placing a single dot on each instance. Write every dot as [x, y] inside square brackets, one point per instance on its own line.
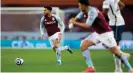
[48, 7]
[85, 2]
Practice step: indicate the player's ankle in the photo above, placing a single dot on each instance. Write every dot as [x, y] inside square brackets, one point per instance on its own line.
[118, 70]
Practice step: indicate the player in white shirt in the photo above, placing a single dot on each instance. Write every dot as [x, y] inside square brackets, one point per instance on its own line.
[55, 29]
[112, 9]
[116, 22]
[95, 20]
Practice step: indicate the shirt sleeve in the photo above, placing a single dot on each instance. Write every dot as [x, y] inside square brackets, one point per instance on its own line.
[42, 26]
[106, 4]
[91, 16]
[79, 16]
[60, 23]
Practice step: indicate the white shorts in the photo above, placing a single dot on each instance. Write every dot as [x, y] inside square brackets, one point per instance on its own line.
[107, 39]
[56, 36]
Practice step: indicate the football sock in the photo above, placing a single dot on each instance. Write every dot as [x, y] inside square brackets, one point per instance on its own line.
[58, 54]
[87, 57]
[125, 61]
[117, 62]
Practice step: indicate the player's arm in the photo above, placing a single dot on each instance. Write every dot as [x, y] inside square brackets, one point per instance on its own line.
[74, 22]
[79, 16]
[105, 7]
[121, 4]
[91, 18]
[42, 28]
[60, 24]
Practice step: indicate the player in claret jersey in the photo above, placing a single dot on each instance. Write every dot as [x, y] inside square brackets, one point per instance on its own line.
[103, 34]
[55, 29]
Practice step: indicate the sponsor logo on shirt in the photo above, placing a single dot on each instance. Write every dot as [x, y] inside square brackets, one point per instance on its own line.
[51, 22]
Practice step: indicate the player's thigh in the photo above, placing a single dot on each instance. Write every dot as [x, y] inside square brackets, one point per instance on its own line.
[111, 45]
[58, 37]
[108, 40]
[51, 42]
[55, 39]
[119, 32]
[92, 39]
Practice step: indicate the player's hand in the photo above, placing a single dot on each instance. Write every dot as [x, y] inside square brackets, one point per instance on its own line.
[42, 36]
[72, 21]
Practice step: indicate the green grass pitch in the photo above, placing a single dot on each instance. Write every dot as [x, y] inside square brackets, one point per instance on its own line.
[42, 60]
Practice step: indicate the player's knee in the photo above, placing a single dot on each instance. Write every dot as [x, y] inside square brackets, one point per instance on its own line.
[118, 56]
[83, 47]
[115, 50]
[56, 43]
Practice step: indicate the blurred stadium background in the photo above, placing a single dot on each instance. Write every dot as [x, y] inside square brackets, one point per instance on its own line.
[20, 30]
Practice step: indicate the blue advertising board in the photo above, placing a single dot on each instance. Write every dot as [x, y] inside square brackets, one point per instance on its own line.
[36, 43]
[45, 44]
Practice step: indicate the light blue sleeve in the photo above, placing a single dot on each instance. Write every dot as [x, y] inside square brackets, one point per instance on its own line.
[42, 26]
[60, 23]
[79, 16]
[92, 15]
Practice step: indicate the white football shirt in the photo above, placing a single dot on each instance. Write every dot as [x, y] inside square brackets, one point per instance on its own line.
[114, 14]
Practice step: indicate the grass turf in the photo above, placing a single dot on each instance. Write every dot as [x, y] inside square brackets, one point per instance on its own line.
[42, 60]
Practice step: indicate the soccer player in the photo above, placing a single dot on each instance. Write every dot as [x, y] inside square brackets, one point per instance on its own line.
[103, 33]
[55, 29]
[116, 22]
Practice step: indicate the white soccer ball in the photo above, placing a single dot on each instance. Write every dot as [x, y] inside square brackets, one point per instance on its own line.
[19, 61]
[70, 26]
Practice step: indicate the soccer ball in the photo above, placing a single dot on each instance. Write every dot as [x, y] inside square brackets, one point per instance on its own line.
[19, 61]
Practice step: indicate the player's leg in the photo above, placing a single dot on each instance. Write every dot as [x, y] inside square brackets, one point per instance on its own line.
[120, 30]
[122, 57]
[61, 48]
[56, 43]
[86, 54]
[117, 34]
[87, 42]
[110, 42]
[58, 51]
[55, 46]
[117, 61]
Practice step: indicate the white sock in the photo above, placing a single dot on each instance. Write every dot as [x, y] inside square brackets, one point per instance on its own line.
[117, 62]
[58, 54]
